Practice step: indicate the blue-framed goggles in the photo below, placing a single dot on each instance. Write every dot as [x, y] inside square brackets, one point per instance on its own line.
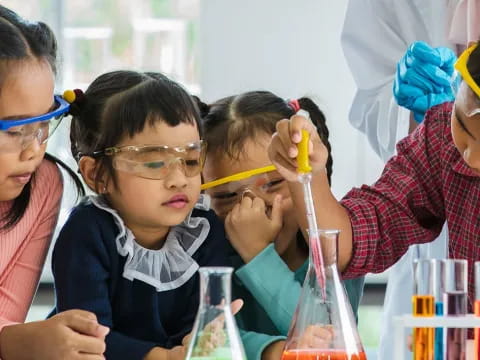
[17, 134]
[61, 108]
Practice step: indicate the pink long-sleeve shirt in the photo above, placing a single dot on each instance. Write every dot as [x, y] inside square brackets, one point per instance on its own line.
[23, 248]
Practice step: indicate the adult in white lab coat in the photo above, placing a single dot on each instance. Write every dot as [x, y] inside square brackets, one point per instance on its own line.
[375, 36]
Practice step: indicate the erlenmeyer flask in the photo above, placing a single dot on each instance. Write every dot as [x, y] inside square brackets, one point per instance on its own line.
[215, 334]
[323, 326]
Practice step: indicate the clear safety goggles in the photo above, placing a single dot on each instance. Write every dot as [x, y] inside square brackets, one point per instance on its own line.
[470, 99]
[263, 182]
[155, 161]
[17, 134]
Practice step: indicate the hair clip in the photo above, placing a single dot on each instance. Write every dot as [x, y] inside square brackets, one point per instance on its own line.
[74, 96]
[76, 99]
[294, 104]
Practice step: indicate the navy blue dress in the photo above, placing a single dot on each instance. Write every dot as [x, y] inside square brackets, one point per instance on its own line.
[88, 270]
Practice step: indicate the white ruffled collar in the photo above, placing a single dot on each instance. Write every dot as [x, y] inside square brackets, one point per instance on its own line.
[169, 267]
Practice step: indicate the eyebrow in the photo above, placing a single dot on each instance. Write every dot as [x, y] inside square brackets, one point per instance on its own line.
[25, 116]
[462, 124]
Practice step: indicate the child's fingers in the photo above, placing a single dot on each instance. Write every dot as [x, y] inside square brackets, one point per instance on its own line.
[82, 322]
[277, 152]
[233, 214]
[277, 211]
[236, 306]
[89, 344]
[246, 203]
[186, 340]
[298, 122]
[259, 204]
[322, 332]
[284, 134]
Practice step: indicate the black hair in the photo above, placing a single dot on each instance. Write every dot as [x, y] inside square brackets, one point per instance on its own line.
[21, 40]
[120, 104]
[231, 121]
[473, 64]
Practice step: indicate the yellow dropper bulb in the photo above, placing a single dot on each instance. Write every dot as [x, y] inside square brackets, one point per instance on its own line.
[302, 157]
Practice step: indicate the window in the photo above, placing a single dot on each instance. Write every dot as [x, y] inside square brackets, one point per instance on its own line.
[96, 36]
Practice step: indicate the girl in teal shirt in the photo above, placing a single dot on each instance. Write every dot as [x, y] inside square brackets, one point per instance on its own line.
[269, 252]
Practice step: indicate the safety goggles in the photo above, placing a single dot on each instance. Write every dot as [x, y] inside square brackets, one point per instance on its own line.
[471, 99]
[17, 134]
[263, 182]
[155, 161]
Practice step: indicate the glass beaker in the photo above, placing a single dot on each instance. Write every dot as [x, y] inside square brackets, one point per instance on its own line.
[477, 309]
[323, 326]
[423, 305]
[455, 299]
[215, 334]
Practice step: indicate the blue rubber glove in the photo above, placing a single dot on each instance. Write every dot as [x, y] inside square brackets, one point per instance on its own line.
[423, 78]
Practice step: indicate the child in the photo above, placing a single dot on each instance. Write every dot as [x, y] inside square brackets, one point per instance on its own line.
[30, 195]
[260, 219]
[130, 254]
[433, 179]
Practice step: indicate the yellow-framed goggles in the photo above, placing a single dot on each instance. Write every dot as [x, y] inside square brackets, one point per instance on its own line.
[238, 176]
[265, 183]
[470, 100]
[461, 67]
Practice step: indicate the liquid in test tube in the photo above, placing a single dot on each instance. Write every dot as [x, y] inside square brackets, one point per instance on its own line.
[455, 304]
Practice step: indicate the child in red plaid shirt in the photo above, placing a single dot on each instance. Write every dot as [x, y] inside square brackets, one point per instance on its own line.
[435, 178]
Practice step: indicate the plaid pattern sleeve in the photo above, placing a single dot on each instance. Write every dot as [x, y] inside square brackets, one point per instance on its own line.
[426, 184]
[405, 206]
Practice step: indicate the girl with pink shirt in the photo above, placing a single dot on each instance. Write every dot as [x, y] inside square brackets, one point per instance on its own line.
[30, 194]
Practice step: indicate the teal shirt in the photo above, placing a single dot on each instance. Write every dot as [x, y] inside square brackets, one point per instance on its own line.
[270, 291]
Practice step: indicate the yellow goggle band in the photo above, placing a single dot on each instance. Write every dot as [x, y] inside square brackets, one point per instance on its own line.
[238, 176]
[461, 67]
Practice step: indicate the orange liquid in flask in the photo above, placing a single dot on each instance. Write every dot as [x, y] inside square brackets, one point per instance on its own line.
[321, 355]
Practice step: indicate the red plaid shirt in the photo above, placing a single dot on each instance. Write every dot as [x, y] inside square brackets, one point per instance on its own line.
[423, 186]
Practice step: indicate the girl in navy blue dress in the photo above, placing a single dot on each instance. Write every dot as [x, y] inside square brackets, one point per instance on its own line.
[130, 253]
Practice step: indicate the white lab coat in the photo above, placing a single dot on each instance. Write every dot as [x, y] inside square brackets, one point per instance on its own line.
[375, 36]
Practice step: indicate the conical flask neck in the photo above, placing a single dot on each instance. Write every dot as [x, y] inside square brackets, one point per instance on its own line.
[215, 333]
[215, 286]
[326, 245]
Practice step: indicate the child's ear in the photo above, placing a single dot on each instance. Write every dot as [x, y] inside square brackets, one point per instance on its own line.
[88, 168]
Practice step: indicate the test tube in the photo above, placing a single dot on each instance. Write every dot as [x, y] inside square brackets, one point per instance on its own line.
[423, 306]
[455, 304]
[477, 309]
[437, 285]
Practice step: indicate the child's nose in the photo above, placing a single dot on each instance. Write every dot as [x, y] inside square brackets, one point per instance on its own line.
[176, 177]
[31, 149]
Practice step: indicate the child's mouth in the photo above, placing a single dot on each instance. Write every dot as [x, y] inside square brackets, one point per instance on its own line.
[177, 201]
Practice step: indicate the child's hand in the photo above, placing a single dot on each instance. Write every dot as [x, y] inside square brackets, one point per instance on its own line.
[250, 229]
[283, 147]
[235, 306]
[316, 336]
[176, 353]
[213, 334]
[73, 334]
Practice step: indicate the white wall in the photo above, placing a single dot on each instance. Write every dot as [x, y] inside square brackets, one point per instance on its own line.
[290, 47]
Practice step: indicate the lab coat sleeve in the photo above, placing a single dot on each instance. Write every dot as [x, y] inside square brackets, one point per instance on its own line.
[375, 36]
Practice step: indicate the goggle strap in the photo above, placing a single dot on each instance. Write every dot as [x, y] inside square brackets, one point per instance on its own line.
[239, 176]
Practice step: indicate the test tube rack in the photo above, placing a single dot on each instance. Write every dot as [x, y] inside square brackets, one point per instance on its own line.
[410, 321]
